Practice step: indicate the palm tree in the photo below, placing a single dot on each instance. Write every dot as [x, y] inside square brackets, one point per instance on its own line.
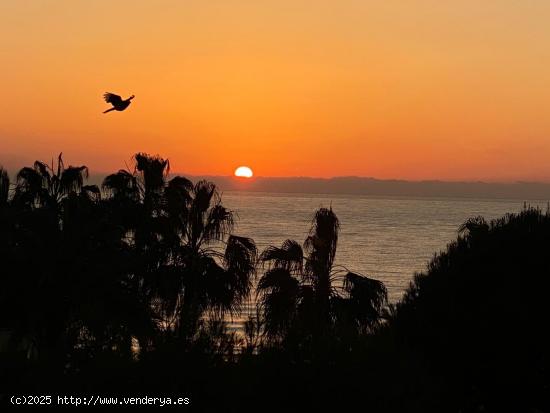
[280, 287]
[45, 185]
[306, 297]
[202, 276]
[179, 229]
[64, 266]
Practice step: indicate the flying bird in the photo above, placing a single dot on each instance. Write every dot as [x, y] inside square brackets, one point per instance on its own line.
[117, 102]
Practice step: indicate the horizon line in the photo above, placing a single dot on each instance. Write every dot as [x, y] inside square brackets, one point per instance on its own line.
[545, 181]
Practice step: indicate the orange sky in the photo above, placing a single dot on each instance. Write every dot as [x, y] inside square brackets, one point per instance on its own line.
[392, 89]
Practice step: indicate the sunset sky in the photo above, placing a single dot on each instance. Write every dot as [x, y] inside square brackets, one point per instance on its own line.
[453, 90]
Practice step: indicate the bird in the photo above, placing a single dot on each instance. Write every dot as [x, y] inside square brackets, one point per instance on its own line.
[117, 102]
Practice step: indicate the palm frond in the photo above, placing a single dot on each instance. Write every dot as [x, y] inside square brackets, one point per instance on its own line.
[219, 294]
[72, 178]
[154, 169]
[219, 223]
[204, 192]
[289, 256]
[278, 293]
[121, 184]
[198, 217]
[28, 189]
[367, 297]
[240, 263]
[43, 170]
[276, 279]
[321, 248]
[323, 238]
[178, 194]
[29, 179]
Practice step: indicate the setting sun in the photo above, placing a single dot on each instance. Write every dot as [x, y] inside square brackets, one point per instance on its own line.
[243, 172]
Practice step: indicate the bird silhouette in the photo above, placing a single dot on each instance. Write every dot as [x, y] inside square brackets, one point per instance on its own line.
[117, 102]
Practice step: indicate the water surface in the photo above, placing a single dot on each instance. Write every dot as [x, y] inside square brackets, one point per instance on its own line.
[387, 238]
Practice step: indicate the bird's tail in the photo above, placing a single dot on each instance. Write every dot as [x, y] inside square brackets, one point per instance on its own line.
[108, 110]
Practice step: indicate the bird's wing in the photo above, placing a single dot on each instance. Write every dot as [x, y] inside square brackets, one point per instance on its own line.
[112, 98]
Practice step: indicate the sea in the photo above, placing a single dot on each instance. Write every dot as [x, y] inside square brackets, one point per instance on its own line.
[386, 238]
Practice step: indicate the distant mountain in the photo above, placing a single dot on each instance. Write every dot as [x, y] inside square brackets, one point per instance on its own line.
[371, 186]
[378, 187]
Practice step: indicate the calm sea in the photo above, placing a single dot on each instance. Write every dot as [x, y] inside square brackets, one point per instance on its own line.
[387, 238]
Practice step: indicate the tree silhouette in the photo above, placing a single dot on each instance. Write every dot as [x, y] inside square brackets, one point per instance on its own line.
[43, 185]
[66, 289]
[476, 316]
[306, 298]
[177, 229]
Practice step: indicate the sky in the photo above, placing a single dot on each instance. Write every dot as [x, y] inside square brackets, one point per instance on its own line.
[411, 89]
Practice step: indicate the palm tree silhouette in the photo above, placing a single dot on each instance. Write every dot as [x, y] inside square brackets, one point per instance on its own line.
[46, 185]
[307, 297]
[63, 255]
[117, 102]
[178, 229]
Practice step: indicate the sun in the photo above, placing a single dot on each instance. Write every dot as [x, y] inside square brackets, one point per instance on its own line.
[243, 172]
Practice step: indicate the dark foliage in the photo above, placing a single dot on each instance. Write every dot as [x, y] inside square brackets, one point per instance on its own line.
[310, 306]
[127, 289]
[87, 275]
[478, 316]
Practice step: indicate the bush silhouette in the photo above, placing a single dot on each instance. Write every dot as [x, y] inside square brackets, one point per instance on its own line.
[477, 317]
